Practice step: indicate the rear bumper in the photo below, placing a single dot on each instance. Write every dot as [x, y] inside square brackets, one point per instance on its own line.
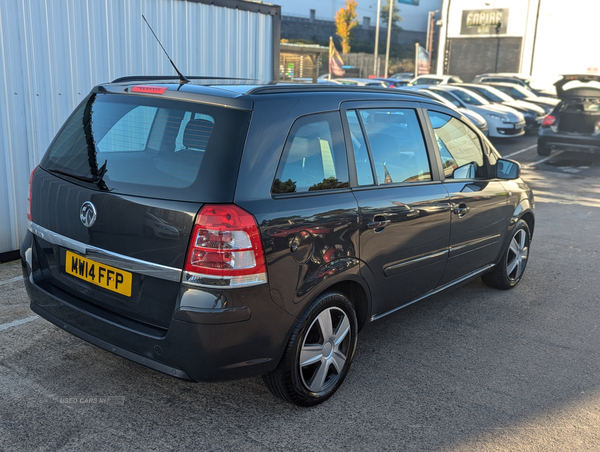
[200, 344]
[533, 123]
[563, 142]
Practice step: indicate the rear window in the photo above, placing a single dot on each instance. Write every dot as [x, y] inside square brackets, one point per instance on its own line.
[151, 147]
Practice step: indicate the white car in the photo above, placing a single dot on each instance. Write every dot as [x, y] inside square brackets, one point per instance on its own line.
[502, 121]
[351, 81]
[431, 79]
[477, 120]
[360, 82]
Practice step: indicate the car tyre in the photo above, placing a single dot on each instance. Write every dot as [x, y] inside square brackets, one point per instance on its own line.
[509, 271]
[319, 352]
[544, 151]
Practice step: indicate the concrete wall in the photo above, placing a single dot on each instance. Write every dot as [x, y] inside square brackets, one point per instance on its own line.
[53, 52]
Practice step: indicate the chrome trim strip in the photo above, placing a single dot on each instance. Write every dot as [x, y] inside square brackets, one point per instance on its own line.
[222, 282]
[413, 261]
[121, 261]
[475, 242]
[433, 292]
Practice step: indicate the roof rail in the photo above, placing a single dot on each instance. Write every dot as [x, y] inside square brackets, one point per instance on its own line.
[148, 78]
[295, 88]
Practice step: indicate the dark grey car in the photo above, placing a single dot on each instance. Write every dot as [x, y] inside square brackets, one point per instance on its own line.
[219, 232]
[574, 125]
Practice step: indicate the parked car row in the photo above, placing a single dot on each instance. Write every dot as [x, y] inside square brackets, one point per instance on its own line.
[500, 105]
[568, 120]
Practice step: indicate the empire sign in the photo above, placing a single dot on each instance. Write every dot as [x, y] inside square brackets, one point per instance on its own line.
[484, 22]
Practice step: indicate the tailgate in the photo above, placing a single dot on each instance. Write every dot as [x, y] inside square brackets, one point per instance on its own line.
[128, 261]
[115, 197]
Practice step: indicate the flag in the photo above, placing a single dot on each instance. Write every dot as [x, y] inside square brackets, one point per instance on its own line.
[335, 61]
[423, 61]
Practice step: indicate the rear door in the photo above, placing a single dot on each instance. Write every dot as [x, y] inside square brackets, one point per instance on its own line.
[115, 198]
[480, 211]
[404, 211]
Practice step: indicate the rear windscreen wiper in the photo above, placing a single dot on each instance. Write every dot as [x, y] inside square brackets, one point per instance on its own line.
[93, 180]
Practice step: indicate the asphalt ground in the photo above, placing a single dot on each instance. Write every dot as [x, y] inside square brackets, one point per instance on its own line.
[474, 369]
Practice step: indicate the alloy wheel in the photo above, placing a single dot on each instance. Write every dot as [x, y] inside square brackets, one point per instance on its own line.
[516, 258]
[325, 349]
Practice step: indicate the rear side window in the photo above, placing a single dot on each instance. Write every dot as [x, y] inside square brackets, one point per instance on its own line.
[397, 145]
[314, 156]
[151, 147]
[364, 173]
[459, 147]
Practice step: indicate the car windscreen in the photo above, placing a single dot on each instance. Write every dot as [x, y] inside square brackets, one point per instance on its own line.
[517, 92]
[469, 97]
[493, 95]
[148, 146]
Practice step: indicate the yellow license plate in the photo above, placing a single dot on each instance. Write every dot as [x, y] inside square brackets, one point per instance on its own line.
[99, 274]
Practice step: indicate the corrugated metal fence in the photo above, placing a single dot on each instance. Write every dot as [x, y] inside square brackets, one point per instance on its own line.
[52, 52]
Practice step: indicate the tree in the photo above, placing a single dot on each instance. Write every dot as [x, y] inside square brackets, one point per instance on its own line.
[385, 14]
[345, 21]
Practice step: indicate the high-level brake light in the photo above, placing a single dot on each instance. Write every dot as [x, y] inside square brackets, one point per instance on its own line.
[149, 89]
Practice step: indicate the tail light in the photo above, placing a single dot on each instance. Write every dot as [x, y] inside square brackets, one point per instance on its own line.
[548, 121]
[29, 216]
[225, 249]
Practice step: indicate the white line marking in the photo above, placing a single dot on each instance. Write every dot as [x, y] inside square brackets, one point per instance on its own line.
[520, 152]
[6, 326]
[543, 160]
[11, 280]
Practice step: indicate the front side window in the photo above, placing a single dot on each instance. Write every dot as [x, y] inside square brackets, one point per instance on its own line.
[459, 147]
[397, 145]
[314, 156]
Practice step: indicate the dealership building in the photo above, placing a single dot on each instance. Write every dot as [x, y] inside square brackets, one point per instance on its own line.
[541, 38]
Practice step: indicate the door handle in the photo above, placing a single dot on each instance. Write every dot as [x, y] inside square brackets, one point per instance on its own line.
[461, 210]
[378, 224]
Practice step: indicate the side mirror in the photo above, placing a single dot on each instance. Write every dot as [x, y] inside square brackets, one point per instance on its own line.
[507, 169]
[467, 171]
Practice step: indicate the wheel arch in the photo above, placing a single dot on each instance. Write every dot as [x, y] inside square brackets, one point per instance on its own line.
[528, 218]
[357, 295]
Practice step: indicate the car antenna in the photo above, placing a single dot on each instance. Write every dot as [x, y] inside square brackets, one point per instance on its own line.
[182, 78]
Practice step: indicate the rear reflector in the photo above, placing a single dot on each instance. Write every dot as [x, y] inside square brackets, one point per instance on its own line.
[149, 89]
[29, 216]
[225, 248]
[548, 121]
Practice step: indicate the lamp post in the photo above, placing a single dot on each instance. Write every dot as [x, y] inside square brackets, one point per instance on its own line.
[389, 37]
[375, 65]
[498, 25]
[430, 30]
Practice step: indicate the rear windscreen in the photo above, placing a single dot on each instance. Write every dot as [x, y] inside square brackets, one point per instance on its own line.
[153, 147]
